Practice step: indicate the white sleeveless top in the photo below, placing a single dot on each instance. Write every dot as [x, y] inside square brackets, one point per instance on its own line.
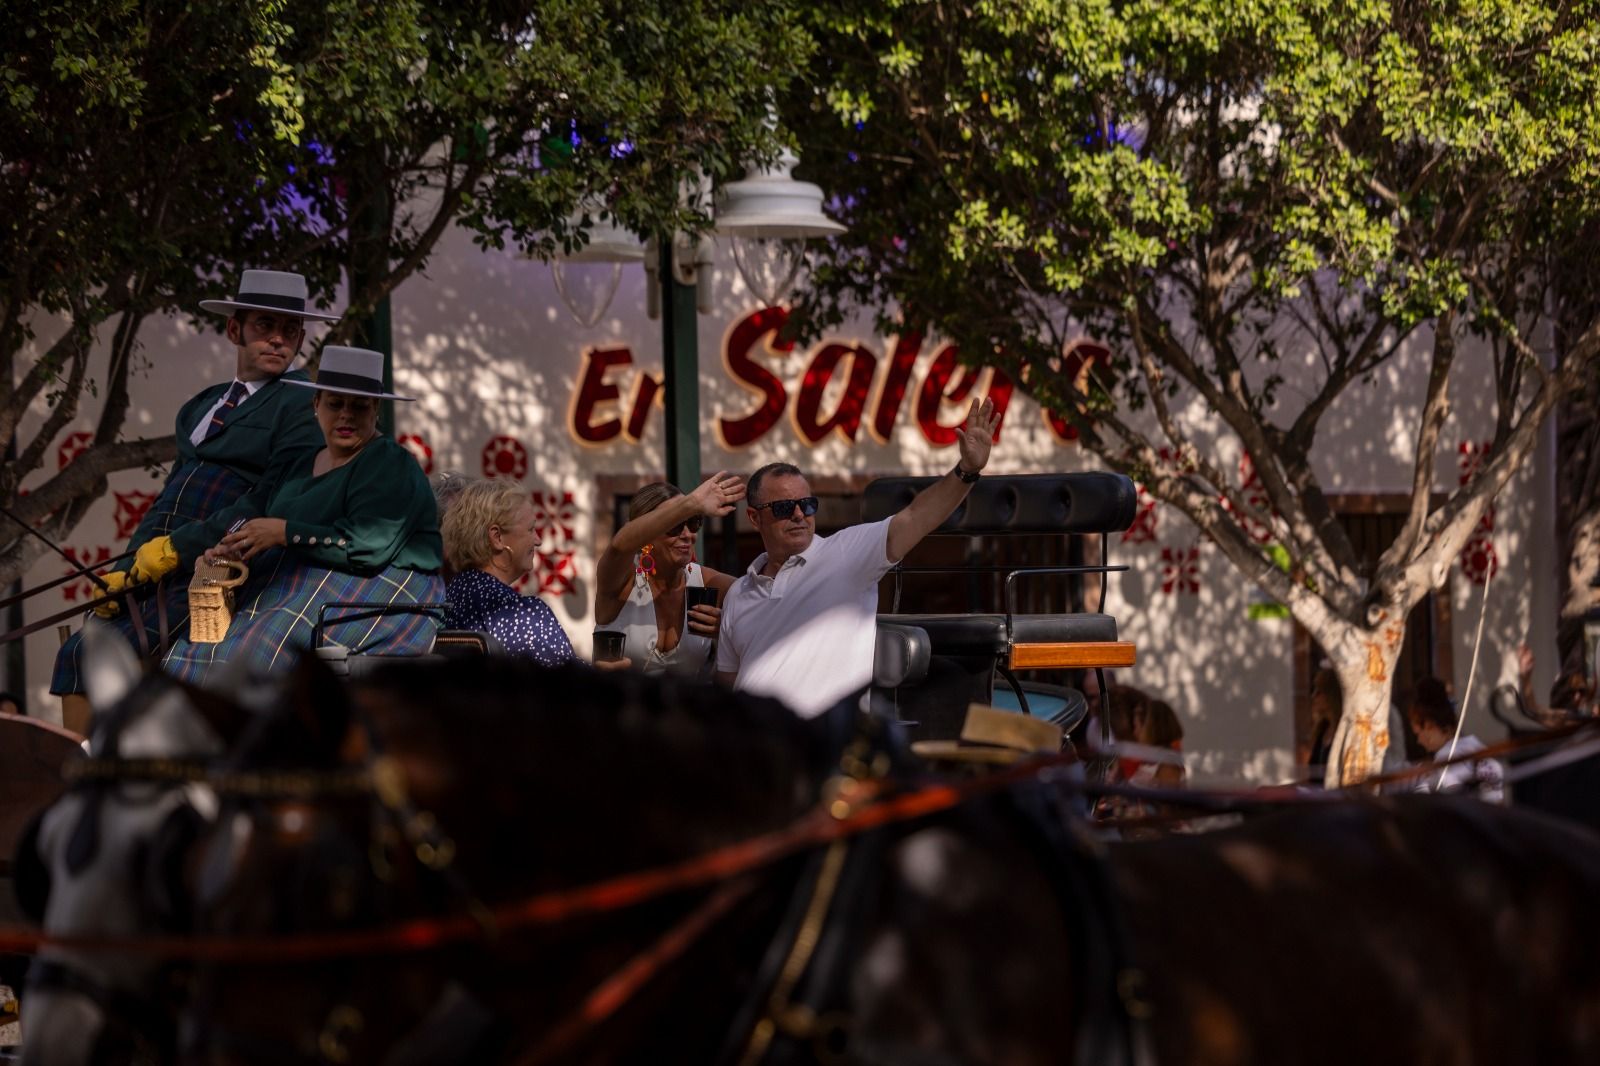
[637, 621]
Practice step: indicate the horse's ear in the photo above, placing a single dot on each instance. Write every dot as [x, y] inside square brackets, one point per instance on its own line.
[226, 718]
[318, 699]
[111, 668]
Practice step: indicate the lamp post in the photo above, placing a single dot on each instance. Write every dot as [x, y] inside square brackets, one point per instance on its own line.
[767, 217]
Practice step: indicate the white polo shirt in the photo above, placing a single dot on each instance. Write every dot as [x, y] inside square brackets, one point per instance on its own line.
[807, 636]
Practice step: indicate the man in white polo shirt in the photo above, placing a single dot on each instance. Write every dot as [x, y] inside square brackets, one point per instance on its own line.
[801, 624]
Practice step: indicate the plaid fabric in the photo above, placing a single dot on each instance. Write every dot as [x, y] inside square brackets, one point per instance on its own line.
[278, 610]
[193, 490]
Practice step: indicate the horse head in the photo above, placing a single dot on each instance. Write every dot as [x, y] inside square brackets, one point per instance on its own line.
[297, 848]
[106, 860]
[493, 780]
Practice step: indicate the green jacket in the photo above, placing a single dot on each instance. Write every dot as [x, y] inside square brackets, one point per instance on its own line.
[275, 421]
[375, 511]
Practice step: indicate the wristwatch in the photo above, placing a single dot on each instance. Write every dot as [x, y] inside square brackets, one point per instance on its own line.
[967, 478]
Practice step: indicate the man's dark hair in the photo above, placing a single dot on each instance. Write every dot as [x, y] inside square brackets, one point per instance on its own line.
[1430, 702]
[752, 488]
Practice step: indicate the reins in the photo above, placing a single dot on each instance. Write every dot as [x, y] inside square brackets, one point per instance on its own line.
[81, 571]
[843, 813]
[848, 808]
[125, 598]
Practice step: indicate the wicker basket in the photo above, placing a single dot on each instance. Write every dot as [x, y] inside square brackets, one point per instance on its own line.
[211, 599]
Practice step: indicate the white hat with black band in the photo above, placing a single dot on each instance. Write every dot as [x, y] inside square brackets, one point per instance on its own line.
[353, 371]
[269, 290]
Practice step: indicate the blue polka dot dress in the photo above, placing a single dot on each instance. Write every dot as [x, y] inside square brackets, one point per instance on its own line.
[524, 624]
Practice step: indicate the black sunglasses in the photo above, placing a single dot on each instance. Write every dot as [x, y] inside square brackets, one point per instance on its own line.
[785, 508]
[691, 524]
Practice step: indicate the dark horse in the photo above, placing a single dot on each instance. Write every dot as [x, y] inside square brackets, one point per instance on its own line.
[996, 931]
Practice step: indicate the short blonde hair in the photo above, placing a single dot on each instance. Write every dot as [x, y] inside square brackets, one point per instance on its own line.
[479, 505]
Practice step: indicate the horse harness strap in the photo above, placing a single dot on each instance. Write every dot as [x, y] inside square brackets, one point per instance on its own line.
[801, 1012]
[1112, 1013]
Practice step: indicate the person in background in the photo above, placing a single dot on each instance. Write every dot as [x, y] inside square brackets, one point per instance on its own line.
[643, 578]
[446, 487]
[801, 624]
[1327, 705]
[229, 436]
[10, 704]
[351, 521]
[1433, 720]
[491, 539]
[1157, 731]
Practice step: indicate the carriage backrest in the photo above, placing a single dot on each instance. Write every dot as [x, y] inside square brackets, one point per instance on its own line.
[1089, 502]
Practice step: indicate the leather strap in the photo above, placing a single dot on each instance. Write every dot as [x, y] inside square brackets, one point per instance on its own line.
[163, 628]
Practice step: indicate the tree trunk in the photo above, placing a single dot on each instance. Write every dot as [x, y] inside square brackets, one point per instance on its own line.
[1364, 658]
[1363, 744]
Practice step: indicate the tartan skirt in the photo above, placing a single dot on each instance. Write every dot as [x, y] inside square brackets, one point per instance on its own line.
[193, 490]
[278, 610]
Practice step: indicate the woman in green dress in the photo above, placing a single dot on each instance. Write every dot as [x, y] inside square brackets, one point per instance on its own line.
[354, 520]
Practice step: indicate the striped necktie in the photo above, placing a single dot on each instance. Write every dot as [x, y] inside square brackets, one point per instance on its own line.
[232, 400]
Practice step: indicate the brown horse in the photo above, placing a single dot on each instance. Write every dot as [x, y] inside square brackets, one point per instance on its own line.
[1417, 931]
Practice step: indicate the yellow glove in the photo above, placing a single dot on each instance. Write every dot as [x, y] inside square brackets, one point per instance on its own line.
[115, 581]
[155, 560]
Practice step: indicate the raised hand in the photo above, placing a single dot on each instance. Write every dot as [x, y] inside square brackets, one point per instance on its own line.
[718, 493]
[977, 436]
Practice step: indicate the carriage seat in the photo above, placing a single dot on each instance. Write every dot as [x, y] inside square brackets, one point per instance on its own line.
[465, 643]
[967, 650]
[901, 656]
[1035, 641]
[448, 644]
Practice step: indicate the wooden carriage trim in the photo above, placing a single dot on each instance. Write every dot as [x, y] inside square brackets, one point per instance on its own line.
[1072, 656]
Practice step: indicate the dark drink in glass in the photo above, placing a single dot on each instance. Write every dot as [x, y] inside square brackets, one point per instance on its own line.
[608, 646]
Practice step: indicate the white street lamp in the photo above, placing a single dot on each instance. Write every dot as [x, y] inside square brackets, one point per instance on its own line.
[767, 218]
[587, 279]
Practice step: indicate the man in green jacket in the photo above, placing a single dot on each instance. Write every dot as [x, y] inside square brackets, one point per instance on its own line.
[227, 435]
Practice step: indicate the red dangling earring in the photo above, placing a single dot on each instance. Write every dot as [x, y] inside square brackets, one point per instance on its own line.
[646, 563]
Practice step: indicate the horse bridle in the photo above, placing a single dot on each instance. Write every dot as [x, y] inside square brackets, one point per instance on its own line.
[141, 1015]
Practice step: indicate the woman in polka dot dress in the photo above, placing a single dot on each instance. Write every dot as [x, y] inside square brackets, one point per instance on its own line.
[490, 538]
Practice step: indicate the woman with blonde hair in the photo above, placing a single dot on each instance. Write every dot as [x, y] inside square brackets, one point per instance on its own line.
[491, 540]
[643, 578]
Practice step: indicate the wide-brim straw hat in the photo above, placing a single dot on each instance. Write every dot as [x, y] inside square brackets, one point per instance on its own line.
[995, 737]
[352, 371]
[270, 290]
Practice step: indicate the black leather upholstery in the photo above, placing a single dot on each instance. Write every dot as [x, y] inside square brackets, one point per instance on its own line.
[450, 643]
[985, 634]
[902, 655]
[467, 642]
[1091, 502]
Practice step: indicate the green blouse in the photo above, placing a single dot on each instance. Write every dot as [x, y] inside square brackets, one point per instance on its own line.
[374, 511]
